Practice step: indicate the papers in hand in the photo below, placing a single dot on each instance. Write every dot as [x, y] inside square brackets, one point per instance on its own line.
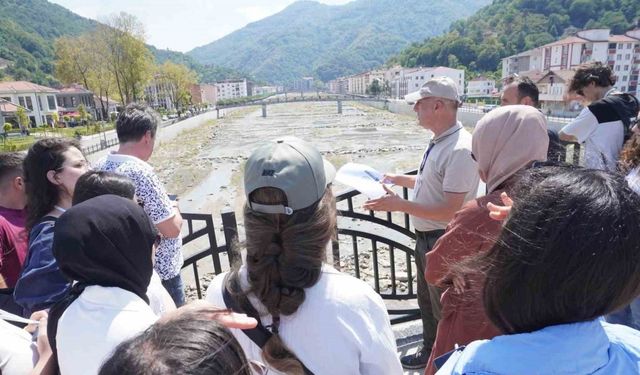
[15, 318]
[362, 178]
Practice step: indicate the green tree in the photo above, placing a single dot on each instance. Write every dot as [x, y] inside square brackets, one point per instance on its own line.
[581, 11]
[178, 79]
[374, 88]
[23, 118]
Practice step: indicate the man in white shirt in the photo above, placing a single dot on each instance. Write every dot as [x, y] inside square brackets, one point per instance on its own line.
[447, 178]
[601, 124]
[136, 127]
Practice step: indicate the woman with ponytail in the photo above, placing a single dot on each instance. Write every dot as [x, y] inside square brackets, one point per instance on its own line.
[314, 319]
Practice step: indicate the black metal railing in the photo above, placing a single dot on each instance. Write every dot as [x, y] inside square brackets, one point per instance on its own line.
[385, 238]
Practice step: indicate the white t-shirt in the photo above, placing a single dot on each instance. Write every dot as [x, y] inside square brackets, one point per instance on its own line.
[94, 324]
[603, 141]
[449, 168]
[151, 192]
[159, 299]
[342, 327]
[18, 353]
[633, 179]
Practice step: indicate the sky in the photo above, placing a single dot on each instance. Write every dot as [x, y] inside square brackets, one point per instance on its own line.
[186, 24]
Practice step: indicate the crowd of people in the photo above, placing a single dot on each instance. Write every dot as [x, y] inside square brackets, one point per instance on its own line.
[537, 270]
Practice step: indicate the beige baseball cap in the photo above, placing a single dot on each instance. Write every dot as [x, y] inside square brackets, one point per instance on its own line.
[439, 87]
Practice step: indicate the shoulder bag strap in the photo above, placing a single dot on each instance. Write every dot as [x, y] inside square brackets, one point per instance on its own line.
[260, 334]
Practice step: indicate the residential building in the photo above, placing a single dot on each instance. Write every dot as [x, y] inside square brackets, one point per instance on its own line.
[231, 89]
[411, 79]
[203, 94]
[552, 86]
[522, 63]
[105, 108]
[359, 83]
[481, 87]
[8, 113]
[158, 94]
[39, 101]
[264, 90]
[304, 84]
[70, 97]
[620, 52]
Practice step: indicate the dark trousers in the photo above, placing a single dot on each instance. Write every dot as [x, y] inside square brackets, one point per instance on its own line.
[176, 289]
[428, 295]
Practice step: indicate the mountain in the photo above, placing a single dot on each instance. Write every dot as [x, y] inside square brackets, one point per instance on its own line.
[325, 41]
[507, 27]
[28, 29]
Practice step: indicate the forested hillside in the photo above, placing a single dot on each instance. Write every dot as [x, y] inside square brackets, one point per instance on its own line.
[313, 39]
[28, 29]
[507, 27]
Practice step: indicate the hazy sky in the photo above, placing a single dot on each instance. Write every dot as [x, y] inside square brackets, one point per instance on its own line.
[183, 25]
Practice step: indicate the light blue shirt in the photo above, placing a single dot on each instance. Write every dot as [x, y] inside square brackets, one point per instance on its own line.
[593, 347]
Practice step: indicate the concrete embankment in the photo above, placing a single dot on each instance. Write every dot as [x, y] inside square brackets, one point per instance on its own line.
[469, 116]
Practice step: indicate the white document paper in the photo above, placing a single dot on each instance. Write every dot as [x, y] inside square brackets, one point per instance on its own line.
[4, 315]
[362, 178]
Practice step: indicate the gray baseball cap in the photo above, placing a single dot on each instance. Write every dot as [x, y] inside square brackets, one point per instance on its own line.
[291, 165]
[439, 87]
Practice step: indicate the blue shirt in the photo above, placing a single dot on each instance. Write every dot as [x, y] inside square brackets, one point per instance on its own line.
[593, 347]
[41, 283]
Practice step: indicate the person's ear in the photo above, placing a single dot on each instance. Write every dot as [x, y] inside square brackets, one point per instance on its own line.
[18, 183]
[52, 176]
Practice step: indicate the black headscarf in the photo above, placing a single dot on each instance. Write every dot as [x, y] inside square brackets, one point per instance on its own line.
[106, 241]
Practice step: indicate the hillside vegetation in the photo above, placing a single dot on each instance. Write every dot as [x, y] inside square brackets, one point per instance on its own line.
[507, 27]
[29, 28]
[312, 39]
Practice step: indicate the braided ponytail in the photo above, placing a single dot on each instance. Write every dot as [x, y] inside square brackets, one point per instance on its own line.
[284, 257]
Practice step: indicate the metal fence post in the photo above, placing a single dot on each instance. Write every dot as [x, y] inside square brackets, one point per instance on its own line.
[230, 229]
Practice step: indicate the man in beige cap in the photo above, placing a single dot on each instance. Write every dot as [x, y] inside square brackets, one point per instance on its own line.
[446, 179]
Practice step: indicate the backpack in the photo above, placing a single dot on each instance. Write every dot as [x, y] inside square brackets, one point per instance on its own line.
[625, 108]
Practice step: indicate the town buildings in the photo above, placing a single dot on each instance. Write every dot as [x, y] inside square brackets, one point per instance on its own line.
[411, 79]
[38, 101]
[204, 94]
[481, 87]
[620, 52]
[396, 81]
[70, 97]
[158, 94]
[233, 88]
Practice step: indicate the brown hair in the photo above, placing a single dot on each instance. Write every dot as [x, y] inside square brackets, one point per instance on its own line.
[630, 154]
[284, 257]
[595, 72]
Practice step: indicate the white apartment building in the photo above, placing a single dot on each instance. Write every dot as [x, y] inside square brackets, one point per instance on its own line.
[481, 87]
[158, 94]
[359, 83]
[620, 52]
[232, 88]
[409, 80]
[39, 101]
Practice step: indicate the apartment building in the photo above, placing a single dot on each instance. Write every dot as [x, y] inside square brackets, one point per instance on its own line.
[411, 79]
[38, 101]
[620, 52]
[481, 87]
[232, 88]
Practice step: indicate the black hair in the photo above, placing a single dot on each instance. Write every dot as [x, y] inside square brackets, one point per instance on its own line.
[95, 183]
[185, 345]
[10, 166]
[568, 253]
[593, 72]
[135, 121]
[43, 156]
[526, 87]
